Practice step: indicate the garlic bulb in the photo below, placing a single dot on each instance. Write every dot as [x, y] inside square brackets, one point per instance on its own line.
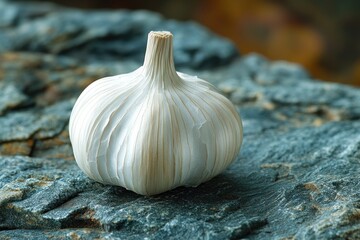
[154, 129]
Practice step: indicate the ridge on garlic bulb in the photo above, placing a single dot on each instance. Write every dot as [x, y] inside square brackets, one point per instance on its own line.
[154, 129]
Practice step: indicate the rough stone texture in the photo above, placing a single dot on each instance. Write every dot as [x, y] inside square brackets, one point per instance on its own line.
[296, 177]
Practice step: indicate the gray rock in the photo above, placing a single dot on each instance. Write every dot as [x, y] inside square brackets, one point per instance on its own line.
[112, 35]
[10, 97]
[12, 13]
[296, 176]
[46, 123]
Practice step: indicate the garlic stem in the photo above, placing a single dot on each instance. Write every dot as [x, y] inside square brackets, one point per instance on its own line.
[159, 62]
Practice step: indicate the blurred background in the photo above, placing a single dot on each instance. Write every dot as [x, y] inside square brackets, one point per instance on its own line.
[321, 35]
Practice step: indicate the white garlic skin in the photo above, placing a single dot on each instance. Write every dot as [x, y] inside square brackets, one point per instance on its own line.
[154, 129]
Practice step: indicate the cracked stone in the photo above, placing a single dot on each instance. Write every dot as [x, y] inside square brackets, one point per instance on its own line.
[10, 97]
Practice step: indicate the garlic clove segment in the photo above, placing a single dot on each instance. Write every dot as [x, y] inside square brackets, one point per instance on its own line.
[154, 129]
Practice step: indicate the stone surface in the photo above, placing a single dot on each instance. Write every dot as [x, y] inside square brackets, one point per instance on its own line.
[296, 177]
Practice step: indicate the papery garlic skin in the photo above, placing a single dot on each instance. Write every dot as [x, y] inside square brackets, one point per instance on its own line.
[154, 129]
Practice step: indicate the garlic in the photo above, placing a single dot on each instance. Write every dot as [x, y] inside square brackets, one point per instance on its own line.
[154, 129]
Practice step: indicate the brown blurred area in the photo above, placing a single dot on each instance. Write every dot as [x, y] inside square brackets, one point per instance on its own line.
[322, 35]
